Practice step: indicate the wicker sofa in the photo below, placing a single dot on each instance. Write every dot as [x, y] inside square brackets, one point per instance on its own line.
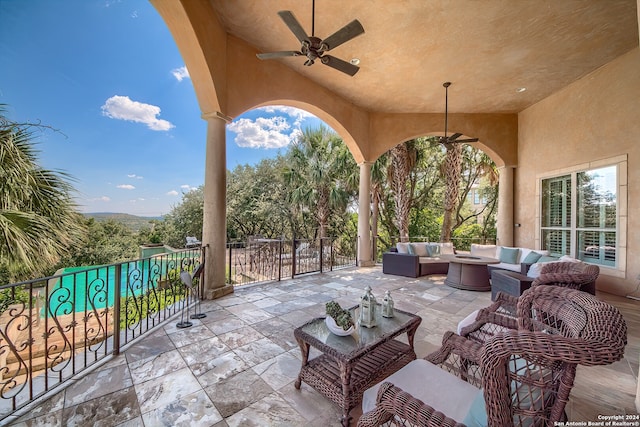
[416, 259]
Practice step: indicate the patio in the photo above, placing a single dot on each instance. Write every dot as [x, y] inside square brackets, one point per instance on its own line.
[236, 367]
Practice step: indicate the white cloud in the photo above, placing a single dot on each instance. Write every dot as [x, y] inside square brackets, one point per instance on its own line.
[180, 73]
[123, 108]
[172, 193]
[134, 14]
[297, 114]
[100, 199]
[133, 175]
[186, 188]
[126, 186]
[261, 133]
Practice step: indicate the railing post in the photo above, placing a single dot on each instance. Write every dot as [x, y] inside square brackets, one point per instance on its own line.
[279, 260]
[116, 308]
[321, 255]
[331, 256]
[293, 258]
[229, 246]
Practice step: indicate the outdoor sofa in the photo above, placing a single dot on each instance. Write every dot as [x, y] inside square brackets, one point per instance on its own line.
[511, 258]
[417, 259]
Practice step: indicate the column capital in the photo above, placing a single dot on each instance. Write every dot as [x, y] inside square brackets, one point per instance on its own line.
[216, 115]
[365, 163]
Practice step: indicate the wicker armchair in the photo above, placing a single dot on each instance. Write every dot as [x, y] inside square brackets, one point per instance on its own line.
[574, 275]
[527, 374]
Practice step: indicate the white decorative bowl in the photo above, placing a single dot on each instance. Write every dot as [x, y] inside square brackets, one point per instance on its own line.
[335, 329]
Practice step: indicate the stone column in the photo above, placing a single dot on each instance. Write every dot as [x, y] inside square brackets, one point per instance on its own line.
[364, 216]
[505, 207]
[214, 230]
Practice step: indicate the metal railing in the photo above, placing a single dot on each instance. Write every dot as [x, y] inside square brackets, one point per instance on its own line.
[263, 260]
[54, 328]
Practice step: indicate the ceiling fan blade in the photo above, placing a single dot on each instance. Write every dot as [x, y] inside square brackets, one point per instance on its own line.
[340, 65]
[346, 33]
[293, 24]
[466, 140]
[455, 136]
[284, 53]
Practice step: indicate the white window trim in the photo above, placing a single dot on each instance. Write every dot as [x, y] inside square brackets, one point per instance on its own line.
[621, 201]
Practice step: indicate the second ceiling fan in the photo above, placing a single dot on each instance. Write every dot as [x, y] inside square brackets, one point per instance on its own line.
[453, 138]
[313, 47]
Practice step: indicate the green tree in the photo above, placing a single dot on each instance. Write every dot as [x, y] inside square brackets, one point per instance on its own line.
[184, 219]
[319, 166]
[39, 221]
[105, 242]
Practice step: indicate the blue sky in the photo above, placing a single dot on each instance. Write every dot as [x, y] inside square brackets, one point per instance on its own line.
[108, 75]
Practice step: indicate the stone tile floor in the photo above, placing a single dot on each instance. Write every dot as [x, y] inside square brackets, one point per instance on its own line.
[236, 367]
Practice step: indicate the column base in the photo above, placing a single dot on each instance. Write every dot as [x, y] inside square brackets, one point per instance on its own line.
[366, 263]
[218, 292]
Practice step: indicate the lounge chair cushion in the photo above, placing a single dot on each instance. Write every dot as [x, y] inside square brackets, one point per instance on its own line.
[509, 255]
[403, 248]
[446, 248]
[419, 249]
[451, 395]
[467, 321]
[488, 251]
[533, 257]
[523, 396]
[433, 249]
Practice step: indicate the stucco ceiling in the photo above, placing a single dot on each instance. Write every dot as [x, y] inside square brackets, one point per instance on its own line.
[487, 48]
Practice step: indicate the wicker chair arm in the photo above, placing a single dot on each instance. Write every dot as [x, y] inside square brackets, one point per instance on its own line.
[393, 401]
[453, 343]
[486, 315]
[553, 348]
[568, 280]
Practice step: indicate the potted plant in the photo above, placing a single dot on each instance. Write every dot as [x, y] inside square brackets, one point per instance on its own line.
[339, 320]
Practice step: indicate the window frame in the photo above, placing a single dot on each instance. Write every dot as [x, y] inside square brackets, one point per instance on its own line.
[620, 162]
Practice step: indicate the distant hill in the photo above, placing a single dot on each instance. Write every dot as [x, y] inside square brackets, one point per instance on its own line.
[134, 222]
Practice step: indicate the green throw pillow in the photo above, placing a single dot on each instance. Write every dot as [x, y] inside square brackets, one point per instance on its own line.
[509, 255]
[477, 415]
[545, 258]
[434, 250]
[532, 258]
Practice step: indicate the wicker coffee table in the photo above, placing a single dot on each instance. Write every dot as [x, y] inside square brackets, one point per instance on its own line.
[349, 365]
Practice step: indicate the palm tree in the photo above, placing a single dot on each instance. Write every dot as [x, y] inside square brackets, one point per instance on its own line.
[403, 158]
[452, 171]
[319, 162]
[38, 218]
[378, 174]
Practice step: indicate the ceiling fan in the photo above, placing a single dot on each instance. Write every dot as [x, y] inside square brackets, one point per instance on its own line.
[313, 47]
[453, 138]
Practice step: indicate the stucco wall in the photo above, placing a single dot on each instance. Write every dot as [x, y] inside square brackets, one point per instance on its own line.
[597, 117]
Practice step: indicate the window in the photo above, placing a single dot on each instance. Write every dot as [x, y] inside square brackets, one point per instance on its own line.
[579, 215]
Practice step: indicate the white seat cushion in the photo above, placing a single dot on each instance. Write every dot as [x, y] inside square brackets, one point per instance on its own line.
[434, 386]
[489, 251]
[467, 321]
[419, 249]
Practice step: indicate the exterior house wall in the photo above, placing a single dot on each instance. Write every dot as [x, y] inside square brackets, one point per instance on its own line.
[595, 118]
